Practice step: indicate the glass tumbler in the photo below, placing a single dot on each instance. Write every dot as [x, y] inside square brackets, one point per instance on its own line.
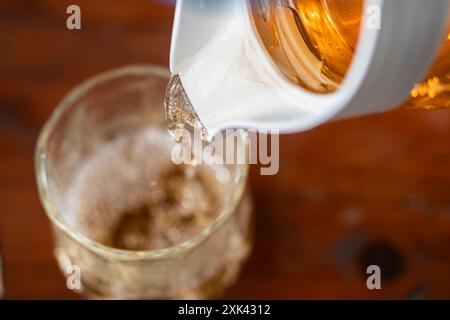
[103, 109]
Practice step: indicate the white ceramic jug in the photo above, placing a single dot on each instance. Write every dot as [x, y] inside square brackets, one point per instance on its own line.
[232, 81]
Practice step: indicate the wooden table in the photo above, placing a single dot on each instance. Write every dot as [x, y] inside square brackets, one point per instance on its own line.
[373, 190]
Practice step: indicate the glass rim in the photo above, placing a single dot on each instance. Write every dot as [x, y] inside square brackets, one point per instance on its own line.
[56, 217]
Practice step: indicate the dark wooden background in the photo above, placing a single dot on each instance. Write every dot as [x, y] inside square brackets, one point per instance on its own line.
[373, 190]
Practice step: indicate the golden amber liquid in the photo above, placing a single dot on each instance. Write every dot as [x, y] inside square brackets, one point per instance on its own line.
[313, 43]
[434, 91]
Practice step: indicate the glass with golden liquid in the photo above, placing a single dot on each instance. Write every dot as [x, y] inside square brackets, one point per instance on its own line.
[313, 42]
[128, 222]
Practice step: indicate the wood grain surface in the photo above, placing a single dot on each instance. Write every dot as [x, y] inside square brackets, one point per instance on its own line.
[372, 190]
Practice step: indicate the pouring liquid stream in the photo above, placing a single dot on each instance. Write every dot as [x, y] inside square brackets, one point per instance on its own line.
[180, 113]
[185, 127]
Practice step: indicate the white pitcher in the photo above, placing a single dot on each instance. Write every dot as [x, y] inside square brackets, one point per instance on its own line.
[232, 81]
